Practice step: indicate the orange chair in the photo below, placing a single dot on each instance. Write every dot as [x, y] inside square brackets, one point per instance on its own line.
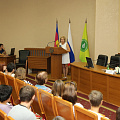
[10, 118]
[84, 114]
[3, 79]
[12, 82]
[63, 108]
[47, 100]
[3, 115]
[20, 84]
[104, 118]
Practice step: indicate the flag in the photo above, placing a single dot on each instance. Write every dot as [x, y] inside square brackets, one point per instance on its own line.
[56, 44]
[84, 51]
[70, 43]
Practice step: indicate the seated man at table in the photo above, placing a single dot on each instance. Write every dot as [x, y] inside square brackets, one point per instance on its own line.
[23, 110]
[96, 100]
[2, 50]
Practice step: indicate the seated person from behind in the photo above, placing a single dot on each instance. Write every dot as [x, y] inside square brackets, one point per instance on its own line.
[42, 78]
[70, 95]
[20, 73]
[10, 69]
[58, 118]
[5, 94]
[58, 88]
[118, 114]
[23, 110]
[2, 50]
[96, 100]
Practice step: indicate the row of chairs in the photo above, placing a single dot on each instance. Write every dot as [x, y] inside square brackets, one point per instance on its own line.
[114, 60]
[3, 116]
[47, 104]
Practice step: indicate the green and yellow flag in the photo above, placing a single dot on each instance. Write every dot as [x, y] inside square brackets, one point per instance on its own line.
[84, 51]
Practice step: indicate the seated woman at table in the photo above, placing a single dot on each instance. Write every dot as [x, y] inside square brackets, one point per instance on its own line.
[2, 50]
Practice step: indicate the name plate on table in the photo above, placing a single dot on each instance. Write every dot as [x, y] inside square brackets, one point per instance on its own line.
[110, 72]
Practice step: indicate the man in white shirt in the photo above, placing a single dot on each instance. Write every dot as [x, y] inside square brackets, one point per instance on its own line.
[96, 100]
[23, 110]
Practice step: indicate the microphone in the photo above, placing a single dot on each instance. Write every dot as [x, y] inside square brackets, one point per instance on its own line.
[49, 43]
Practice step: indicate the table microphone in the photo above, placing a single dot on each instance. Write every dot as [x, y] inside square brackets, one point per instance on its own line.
[49, 42]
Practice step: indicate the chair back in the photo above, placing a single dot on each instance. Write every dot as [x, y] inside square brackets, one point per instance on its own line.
[19, 84]
[104, 118]
[10, 118]
[114, 61]
[48, 104]
[3, 80]
[102, 60]
[3, 115]
[84, 114]
[117, 55]
[36, 105]
[63, 108]
[23, 55]
[12, 82]
[2, 63]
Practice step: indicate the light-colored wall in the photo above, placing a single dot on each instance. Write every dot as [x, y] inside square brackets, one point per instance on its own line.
[106, 27]
[32, 23]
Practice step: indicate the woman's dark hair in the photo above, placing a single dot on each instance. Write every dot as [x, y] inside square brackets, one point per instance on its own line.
[72, 83]
[41, 77]
[10, 67]
[26, 93]
[70, 93]
[58, 88]
[118, 114]
[5, 92]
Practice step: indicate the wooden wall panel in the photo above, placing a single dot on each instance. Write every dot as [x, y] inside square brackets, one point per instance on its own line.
[99, 82]
[84, 81]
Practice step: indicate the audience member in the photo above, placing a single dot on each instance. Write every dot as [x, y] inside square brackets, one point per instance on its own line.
[58, 88]
[58, 118]
[10, 69]
[23, 110]
[5, 95]
[2, 50]
[96, 99]
[118, 114]
[20, 73]
[42, 78]
[71, 95]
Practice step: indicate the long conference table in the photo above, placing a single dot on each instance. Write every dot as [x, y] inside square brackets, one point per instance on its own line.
[88, 79]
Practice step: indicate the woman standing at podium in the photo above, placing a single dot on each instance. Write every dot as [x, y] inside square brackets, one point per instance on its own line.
[65, 57]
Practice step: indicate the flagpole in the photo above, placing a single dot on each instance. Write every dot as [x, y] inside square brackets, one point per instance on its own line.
[56, 21]
[86, 20]
[69, 20]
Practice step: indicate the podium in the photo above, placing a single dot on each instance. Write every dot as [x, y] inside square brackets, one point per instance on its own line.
[56, 61]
